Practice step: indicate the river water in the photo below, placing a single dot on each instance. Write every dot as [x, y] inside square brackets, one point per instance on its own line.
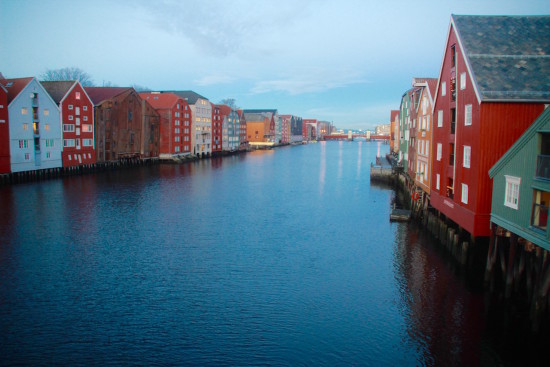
[282, 257]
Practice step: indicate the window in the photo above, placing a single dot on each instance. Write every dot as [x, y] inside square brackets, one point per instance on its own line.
[70, 107]
[463, 81]
[177, 149]
[439, 148]
[85, 118]
[539, 215]
[25, 127]
[427, 152]
[46, 112]
[48, 155]
[84, 108]
[466, 157]
[46, 127]
[77, 95]
[24, 111]
[68, 143]
[70, 117]
[464, 197]
[23, 144]
[68, 128]
[77, 143]
[78, 121]
[443, 88]
[439, 118]
[87, 142]
[511, 195]
[27, 156]
[468, 114]
[77, 111]
[49, 143]
[437, 180]
[86, 128]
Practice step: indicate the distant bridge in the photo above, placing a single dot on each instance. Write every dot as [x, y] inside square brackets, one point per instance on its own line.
[355, 136]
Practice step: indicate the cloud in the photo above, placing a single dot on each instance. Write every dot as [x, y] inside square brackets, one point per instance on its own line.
[319, 81]
[214, 79]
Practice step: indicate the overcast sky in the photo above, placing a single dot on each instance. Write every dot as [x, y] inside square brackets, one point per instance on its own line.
[343, 61]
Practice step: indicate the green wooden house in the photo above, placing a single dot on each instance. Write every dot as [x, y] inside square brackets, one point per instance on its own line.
[521, 185]
[404, 126]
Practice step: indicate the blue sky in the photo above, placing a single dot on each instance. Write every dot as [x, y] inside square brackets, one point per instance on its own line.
[343, 61]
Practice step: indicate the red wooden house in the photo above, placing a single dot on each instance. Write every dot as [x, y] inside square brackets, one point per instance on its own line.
[4, 132]
[175, 123]
[309, 129]
[126, 126]
[217, 119]
[493, 84]
[77, 119]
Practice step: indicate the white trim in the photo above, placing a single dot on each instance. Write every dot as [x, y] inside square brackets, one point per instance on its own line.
[509, 201]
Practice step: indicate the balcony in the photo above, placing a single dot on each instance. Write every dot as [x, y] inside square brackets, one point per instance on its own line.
[543, 167]
[539, 217]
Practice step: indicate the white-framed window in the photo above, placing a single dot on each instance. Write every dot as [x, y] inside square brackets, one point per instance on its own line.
[23, 144]
[85, 118]
[77, 95]
[68, 143]
[87, 128]
[70, 117]
[77, 144]
[70, 107]
[439, 118]
[466, 156]
[77, 111]
[511, 195]
[46, 112]
[427, 147]
[439, 148]
[24, 110]
[48, 155]
[87, 142]
[468, 114]
[78, 121]
[27, 156]
[84, 108]
[463, 81]
[437, 180]
[177, 149]
[68, 128]
[443, 88]
[464, 197]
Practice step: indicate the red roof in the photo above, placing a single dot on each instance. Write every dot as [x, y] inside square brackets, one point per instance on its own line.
[161, 100]
[100, 94]
[393, 114]
[224, 110]
[15, 86]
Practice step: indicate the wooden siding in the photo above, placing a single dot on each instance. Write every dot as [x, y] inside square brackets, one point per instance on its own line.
[521, 163]
[4, 132]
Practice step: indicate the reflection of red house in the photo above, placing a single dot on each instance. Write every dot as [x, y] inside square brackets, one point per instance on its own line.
[175, 123]
[126, 126]
[489, 92]
[4, 132]
[77, 121]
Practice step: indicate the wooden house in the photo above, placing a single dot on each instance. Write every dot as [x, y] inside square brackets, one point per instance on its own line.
[285, 128]
[258, 127]
[4, 132]
[272, 127]
[521, 185]
[126, 126]
[394, 131]
[34, 126]
[414, 100]
[243, 141]
[404, 125]
[309, 129]
[217, 129]
[230, 128]
[492, 85]
[175, 123]
[77, 121]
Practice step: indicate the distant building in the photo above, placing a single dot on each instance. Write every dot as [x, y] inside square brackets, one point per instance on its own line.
[382, 130]
[35, 139]
[230, 128]
[4, 131]
[217, 129]
[175, 123]
[273, 132]
[243, 141]
[394, 128]
[310, 127]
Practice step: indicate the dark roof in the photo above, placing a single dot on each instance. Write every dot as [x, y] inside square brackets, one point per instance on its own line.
[15, 86]
[190, 96]
[100, 94]
[58, 89]
[509, 56]
[273, 111]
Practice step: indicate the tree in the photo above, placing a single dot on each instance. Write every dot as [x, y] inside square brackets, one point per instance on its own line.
[68, 74]
[141, 88]
[231, 102]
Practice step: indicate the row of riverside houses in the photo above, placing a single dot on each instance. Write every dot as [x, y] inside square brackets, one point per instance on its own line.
[61, 124]
[474, 143]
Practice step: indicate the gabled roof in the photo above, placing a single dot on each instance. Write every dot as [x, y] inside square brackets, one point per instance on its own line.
[58, 89]
[508, 57]
[225, 110]
[15, 86]
[273, 111]
[160, 100]
[428, 83]
[255, 117]
[525, 138]
[393, 114]
[100, 94]
[190, 96]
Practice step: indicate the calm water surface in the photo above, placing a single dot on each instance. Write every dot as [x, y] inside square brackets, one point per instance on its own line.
[282, 257]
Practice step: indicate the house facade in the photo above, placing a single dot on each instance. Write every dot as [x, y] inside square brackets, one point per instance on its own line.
[394, 128]
[201, 119]
[296, 129]
[4, 132]
[521, 185]
[404, 124]
[285, 126]
[489, 92]
[414, 100]
[77, 121]
[309, 129]
[272, 129]
[34, 126]
[230, 128]
[217, 129]
[423, 133]
[174, 123]
[243, 142]
[126, 126]
[258, 127]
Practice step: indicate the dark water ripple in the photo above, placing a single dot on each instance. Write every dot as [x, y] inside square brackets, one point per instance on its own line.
[279, 258]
